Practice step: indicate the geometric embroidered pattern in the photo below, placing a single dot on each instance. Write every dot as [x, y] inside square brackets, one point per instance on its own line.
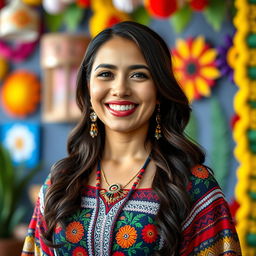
[129, 227]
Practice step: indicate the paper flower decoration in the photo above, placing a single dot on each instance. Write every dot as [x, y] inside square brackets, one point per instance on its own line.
[17, 52]
[198, 5]
[161, 8]
[226, 60]
[54, 6]
[244, 105]
[22, 141]
[104, 15]
[127, 6]
[20, 93]
[4, 66]
[195, 67]
[32, 2]
[19, 22]
[83, 3]
[2, 3]
[68, 1]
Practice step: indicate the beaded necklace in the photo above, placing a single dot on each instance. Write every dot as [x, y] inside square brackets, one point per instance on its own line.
[115, 191]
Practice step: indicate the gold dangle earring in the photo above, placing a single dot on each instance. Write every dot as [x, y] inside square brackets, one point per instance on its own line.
[158, 132]
[94, 127]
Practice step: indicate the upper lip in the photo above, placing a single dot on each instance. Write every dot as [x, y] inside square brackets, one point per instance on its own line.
[123, 102]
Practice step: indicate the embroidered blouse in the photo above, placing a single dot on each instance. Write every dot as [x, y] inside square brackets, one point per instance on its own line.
[128, 227]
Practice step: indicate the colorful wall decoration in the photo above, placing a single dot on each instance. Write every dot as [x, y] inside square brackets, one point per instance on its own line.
[20, 93]
[195, 66]
[19, 22]
[245, 127]
[61, 55]
[23, 142]
[205, 58]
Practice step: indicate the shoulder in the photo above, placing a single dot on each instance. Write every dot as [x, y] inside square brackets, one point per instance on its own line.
[202, 183]
[209, 225]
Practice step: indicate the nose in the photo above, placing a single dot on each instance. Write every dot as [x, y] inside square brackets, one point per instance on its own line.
[120, 87]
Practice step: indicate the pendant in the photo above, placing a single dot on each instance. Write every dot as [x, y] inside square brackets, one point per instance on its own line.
[114, 193]
[114, 188]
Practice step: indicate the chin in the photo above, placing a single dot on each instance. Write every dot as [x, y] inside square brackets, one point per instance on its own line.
[120, 129]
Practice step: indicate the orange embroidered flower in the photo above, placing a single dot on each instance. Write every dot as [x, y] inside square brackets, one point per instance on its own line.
[149, 233]
[126, 236]
[79, 251]
[74, 232]
[200, 172]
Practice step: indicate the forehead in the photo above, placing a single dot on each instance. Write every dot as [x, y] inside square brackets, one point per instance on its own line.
[120, 50]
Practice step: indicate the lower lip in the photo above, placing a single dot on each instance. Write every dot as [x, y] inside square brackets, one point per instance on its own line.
[121, 113]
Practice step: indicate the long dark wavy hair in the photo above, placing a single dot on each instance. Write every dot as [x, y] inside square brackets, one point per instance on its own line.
[174, 154]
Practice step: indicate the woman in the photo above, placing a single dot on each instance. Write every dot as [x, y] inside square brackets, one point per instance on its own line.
[132, 183]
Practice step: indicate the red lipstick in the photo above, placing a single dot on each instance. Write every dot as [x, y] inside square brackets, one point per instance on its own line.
[121, 113]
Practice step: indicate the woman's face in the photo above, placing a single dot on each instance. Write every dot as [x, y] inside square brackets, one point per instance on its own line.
[122, 91]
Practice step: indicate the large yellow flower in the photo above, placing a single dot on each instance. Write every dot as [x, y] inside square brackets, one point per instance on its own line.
[195, 67]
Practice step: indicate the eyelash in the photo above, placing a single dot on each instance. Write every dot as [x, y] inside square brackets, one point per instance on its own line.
[139, 75]
[105, 74]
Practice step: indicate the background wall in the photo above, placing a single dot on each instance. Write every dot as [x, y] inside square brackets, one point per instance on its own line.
[54, 135]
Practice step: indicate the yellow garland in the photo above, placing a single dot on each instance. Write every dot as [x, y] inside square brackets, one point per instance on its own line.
[245, 24]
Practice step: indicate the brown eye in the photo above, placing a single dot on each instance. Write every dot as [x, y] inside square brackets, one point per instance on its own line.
[139, 75]
[105, 74]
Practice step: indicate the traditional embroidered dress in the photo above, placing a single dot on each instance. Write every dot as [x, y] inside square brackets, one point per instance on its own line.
[127, 226]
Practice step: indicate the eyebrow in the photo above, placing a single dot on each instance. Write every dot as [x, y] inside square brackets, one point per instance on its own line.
[132, 67]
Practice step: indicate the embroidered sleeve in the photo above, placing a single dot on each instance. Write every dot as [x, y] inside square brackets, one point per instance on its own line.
[209, 228]
[34, 244]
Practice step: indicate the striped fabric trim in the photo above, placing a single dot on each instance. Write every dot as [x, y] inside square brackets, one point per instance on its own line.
[202, 204]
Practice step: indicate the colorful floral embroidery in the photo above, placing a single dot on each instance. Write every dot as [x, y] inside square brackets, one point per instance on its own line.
[200, 172]
[74, 232]
[29, 244]
[126, 236]
[118, 254]
[58, 229]
[134, 231]
[149, 233]
[79, 251]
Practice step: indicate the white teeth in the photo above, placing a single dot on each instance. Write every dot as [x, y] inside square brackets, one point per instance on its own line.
[121, 107]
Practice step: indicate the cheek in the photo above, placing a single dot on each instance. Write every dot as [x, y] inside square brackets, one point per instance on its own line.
[96, 92]
[148, 93]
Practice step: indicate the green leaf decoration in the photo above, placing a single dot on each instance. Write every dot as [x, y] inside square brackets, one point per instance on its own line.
[11, 187]
[220, 151]
[140, 15]
[181, 18]
[191, 129]
[215, 13]
[73, 16]
[53, 22]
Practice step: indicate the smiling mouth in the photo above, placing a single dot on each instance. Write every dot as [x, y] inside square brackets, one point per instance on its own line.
[121, 107]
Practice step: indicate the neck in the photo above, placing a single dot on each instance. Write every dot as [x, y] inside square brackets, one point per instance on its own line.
[123, 146]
